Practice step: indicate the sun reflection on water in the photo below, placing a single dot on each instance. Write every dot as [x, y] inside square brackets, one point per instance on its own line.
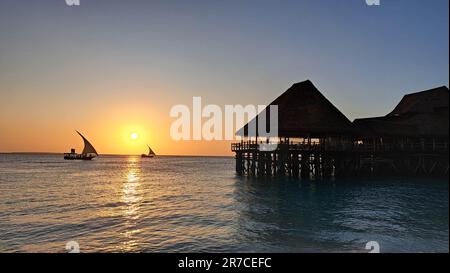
[131, 197]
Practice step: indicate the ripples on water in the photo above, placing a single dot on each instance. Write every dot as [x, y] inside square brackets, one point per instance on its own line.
[176, 204]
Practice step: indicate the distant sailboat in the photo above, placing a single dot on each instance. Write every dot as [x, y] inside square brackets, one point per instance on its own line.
[150, 153]
[88, 153]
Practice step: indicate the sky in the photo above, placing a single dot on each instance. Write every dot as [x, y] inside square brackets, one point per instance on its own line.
[109, 68]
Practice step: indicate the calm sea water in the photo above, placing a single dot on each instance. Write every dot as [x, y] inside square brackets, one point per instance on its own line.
[176, 204]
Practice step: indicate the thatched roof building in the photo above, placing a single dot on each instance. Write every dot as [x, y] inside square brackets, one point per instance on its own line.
[421, 114]
[304, 112]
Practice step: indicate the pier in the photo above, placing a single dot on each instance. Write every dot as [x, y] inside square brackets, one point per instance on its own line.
[318, 161]
[317, 141]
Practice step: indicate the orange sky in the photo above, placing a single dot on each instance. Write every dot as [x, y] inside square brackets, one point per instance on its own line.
[110, 69]
[51, 128]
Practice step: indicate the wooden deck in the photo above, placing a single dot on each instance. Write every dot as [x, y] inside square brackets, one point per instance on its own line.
[316, 161]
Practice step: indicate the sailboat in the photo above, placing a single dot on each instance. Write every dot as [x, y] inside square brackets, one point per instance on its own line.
[88, 153]
[150, 153]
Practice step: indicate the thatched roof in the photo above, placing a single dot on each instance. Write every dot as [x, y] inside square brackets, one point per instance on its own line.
[304, 112]
[425, 102]
[421, 114]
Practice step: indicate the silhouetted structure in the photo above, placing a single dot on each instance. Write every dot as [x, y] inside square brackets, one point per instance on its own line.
[413, 138]
[304, 112]
[422, 115]
[316, 140]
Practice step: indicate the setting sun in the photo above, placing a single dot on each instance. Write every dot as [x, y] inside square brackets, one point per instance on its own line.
[134, 136]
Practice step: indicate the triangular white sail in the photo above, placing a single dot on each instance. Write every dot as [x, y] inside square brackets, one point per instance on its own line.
[88, 148]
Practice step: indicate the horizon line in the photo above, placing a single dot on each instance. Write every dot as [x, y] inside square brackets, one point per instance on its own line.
[163, 155]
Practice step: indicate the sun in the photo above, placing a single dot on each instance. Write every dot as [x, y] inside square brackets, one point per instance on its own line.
[134, 136]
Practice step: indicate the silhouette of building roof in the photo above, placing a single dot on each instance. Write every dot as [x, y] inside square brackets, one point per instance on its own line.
[304, 112]
[421, 114]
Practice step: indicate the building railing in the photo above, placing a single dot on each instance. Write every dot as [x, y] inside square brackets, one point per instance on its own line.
[252, 146]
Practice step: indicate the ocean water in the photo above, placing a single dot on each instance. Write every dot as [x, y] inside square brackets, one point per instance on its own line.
[180, 204]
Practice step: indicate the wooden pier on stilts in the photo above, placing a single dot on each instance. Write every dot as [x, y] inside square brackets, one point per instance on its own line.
[317, 161]
[316, 141]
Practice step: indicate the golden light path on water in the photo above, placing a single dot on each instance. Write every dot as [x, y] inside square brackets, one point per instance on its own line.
[132, 197]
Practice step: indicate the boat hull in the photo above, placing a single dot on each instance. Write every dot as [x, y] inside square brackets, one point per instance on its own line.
[78, 157]
[147, 156]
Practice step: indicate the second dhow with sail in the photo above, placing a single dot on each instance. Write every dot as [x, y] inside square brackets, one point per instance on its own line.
[150, 154]
[88, 153]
